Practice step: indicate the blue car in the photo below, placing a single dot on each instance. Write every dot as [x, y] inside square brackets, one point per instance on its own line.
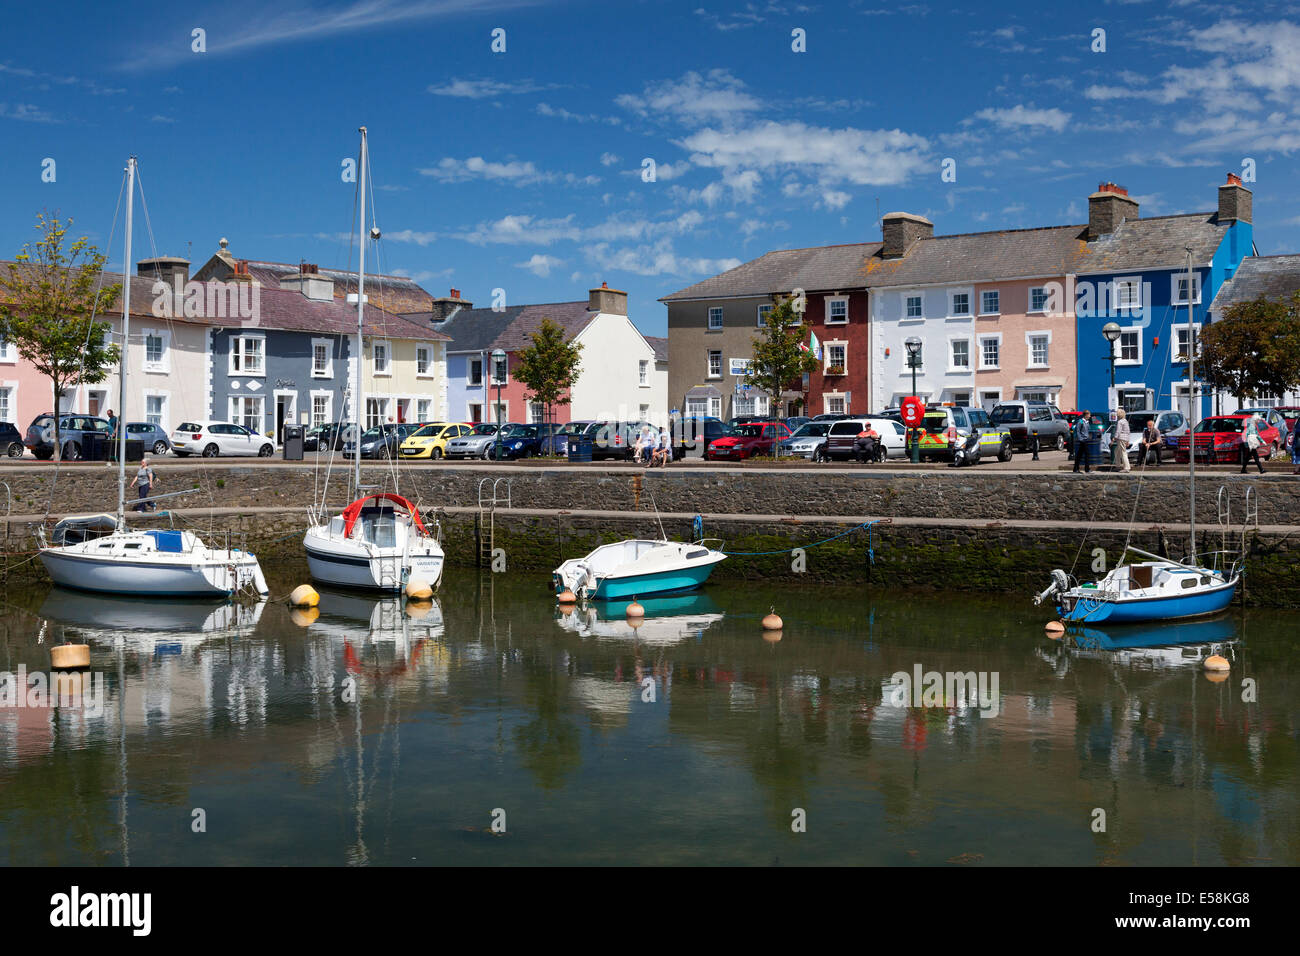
[516, 441]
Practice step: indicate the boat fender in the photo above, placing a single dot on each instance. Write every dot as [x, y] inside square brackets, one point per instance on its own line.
[304, 595]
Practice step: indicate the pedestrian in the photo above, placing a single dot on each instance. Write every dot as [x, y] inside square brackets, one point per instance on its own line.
[1151, 441]
[1119, 444]
[1250, 443]
[1082, 435]
[1295, 448]
[144, 480]
[112, 424]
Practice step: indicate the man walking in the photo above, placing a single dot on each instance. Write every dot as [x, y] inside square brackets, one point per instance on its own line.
[145, 480]
[1119, 447]
[1082, 435]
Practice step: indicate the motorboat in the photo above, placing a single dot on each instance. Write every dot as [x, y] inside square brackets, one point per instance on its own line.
[378, 543]
[638, 568]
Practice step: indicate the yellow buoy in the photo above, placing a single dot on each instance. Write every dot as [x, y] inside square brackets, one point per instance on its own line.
[304, 595]
[1216, 663]
[635, 610]
[302, 616]
[1054, 628]
[567, 597]
[417, 589]
[772, 622]
[66, 657]
[772, 637]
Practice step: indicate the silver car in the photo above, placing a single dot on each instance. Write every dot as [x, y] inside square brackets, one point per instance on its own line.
[1171, 423]
[808, 441]
[476, 443]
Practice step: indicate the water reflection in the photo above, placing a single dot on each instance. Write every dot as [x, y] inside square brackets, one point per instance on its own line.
[375, 732]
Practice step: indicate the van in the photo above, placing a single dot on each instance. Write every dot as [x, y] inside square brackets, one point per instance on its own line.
[1025, 420]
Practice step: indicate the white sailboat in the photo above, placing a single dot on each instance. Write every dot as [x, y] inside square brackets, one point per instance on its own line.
[100, 553]
[378, 542]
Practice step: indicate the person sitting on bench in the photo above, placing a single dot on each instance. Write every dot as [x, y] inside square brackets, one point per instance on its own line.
[866, 444]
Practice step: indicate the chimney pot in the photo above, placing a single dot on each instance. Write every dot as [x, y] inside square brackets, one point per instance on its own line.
[1235, 201]
[455, 293]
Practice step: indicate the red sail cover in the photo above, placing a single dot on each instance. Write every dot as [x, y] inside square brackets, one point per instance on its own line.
[353, 511]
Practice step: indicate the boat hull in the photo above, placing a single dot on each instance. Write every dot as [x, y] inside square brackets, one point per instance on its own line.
[1088, 610]
[150, 579]
[330, 563]
[672, 581]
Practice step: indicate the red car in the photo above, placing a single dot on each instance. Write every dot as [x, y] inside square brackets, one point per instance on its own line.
[1218, 439]
[746, 441]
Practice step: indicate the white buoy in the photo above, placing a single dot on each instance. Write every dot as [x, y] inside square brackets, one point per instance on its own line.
[66, 657]
[1217, 663]
[1054, 628]
[417, 589]
[635, 610]
[304, 595]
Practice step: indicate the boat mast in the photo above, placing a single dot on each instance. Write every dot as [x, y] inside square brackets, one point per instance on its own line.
[1194, 414]
[361, 313]
[126, 338]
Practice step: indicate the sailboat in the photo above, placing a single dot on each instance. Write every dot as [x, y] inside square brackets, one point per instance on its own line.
[379, 541]
[100, 553]
[1156, 589]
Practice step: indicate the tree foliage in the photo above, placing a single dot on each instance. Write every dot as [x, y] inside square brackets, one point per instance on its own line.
[778, 361]
[1254, 350]
[49, 302]
[550, 366]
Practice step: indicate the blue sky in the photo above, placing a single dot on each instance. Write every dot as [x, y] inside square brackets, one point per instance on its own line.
[522, 170]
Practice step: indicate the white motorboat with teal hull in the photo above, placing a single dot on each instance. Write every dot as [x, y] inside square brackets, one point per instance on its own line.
[638, 568]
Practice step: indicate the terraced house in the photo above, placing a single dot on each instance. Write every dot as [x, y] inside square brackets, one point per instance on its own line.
[1275, 278]
[712, 325]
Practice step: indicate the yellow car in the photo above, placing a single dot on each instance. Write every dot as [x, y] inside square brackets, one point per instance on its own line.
[431, 440]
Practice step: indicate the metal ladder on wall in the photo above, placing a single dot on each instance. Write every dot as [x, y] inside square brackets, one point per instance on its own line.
[489, 499]
[1249, 521]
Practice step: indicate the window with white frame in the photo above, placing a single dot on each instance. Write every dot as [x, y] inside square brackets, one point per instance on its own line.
[7, 351]
[837, 358]
[1127, 295]
[1180, 288]
[961, 399]
[913, 310]
[474, 411]
[643, 372]
[837, 311]
[834, 404]
[7, 403]
[715, 363]
[536, 413]
[644, 411]
[424, 360]
[248, 355]
[500, 411]
[990, 302]
[715, 406]
[960, 303]
[501, 370]
[379, 355]
[990, 351]
[155, 410]
[1039, 344]
[763, 310]
[715, 318]
[475, 371]
[1038, 299]
[1128, 348]
[959, 357]
[697, 407]
[375, 409]
[423, 409]
[320, 408]
[1183, 343]
[1266, 401]
[322, 365]
[155, 350]
[246, 410]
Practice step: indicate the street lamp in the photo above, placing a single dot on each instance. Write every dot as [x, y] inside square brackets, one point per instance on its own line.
[913, 346]
[498, 373]
[1112, 332]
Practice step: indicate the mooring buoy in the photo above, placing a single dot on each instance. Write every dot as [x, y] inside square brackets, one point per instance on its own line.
[1216, 662]
[1054, 628]
[304, 595]
[772, 622]
[417, 589]
[635, 610]
[567, 597]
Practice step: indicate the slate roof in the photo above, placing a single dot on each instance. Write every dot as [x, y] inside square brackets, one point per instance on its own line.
[290, 310]
[659, 345]
[481, 330]
[1138, 244]
[142, 297]
[1273, 277]
[395, 294]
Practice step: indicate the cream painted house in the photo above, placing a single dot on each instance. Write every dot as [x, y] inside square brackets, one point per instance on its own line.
[404, 377]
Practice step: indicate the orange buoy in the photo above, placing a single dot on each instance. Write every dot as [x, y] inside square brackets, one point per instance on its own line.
[772, 622]
[635, 610]
[66, 657]
[1054, 628]
[1217, 663]
[567, 597]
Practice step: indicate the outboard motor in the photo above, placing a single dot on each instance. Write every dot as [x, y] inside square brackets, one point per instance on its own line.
[1060, 584]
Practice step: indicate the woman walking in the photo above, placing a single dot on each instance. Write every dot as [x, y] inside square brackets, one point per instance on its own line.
[1250, 443]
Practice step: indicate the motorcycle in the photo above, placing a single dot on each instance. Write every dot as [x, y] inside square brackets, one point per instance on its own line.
[967, 453]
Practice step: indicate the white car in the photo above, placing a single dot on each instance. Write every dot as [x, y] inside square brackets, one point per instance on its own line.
[211, 439]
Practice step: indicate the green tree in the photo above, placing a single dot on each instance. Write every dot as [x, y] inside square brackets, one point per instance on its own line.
[778, 360]
[48, 301]
[550, 366]
[1254, 349]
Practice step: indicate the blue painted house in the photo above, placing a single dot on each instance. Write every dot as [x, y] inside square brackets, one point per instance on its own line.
[1135, 274]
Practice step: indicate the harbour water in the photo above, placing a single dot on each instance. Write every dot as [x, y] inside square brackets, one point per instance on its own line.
[492, 729]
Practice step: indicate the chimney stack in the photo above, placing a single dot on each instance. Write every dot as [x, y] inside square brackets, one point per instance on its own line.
[1107, 208]
[309, 282]
[902, 230]
[171, 269]
[1234, 201]
[444, 307]
[607, 300]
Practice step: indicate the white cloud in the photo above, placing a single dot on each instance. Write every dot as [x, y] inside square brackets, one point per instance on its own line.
[559, 112]
[609, 159]
[410, 235]
[523, 230]
[716, 96]
[26, 112]
[657, 258]
[519, 173]
[485, 89]
[540, 265]
[1021, 116]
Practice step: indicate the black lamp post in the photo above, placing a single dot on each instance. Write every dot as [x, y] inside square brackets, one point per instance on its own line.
[498, 373]
[913, 346]
[1112, 332]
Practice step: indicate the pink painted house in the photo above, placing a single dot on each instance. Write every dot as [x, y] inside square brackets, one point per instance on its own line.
[1034, 336]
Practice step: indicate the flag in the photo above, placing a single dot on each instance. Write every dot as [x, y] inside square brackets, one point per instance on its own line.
[815, 347]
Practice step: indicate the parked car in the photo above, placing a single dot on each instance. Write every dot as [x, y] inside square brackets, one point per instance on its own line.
[474, 444]
[1292, 415]
[331, 437]
[747, 419]
[515, 441]
[154, 438]
[558, 443]
[73, 432]
[311, 438]
[807, 441]
[211, 439]
[995, 439]
[1218, 439]
[705, 430]
[795, 422]
[746, 441]
[1025, 420]
[382, 441]
[430, 441]
[614, 439]
[11, 440]
[1170, 422]
[829, 417]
